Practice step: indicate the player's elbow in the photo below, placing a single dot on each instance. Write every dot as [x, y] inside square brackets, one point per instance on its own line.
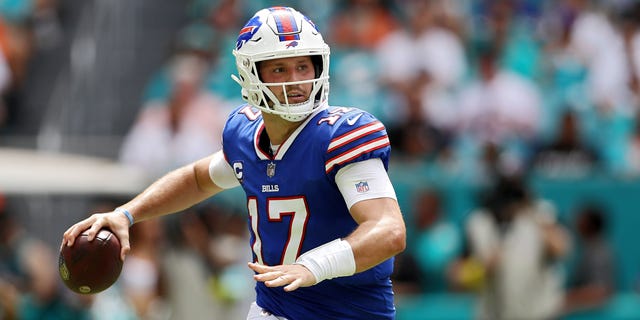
[397, 239]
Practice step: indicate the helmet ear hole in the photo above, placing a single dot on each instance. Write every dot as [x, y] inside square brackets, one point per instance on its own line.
[257, 71]
[317, 65]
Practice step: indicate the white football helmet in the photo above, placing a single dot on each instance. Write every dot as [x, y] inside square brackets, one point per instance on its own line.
[274, 33]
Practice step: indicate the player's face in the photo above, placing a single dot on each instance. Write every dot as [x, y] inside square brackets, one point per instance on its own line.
[289, 70]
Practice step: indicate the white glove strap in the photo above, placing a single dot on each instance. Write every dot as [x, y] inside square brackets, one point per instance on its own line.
[330, 260]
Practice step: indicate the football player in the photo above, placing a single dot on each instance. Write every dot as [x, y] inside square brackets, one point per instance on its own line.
[324, 220]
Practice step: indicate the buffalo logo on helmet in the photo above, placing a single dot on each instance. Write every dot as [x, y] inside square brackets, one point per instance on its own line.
[292, 44]
[247, 32]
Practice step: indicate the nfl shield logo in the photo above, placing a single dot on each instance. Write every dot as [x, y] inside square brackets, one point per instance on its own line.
[362, 186]
[271, 169]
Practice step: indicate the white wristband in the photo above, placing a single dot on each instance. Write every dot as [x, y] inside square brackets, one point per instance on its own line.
[330, 260]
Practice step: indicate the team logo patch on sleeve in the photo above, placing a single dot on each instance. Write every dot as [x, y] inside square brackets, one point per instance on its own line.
[362, 187]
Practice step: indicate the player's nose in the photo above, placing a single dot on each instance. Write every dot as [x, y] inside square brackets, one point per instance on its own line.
[293, 74]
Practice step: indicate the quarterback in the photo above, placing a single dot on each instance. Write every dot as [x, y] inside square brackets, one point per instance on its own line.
[321, 210]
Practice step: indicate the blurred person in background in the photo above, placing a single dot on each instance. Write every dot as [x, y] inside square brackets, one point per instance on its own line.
[518, 243]
[511, 27]
[232, 282]
[29, 280]
[437, 241]
[361, 23]
[421, 82]
[415, 137]
[189, 264]
[26, 28]
[206, 264]
[598, 42]
[592, 281]
[184, 125]
[354, 28]
[422, 62]
[324, 218]
[498, 106]
[142, 279]
[6, 81]
[567, 154]
[591, 70]
[437, 244]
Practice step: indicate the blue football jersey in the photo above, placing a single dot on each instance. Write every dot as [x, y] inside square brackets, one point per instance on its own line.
[294, 205]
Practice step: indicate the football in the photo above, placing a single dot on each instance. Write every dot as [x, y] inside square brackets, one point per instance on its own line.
[89, 267]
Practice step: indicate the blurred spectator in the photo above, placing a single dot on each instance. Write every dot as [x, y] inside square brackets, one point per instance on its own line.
[567, 155]
[142, 275]
[354, 28]
[25, 26]
[414, 136]
[361, 23]
[187, 126]
[206, 265]
[499, 105]
[510, 27]
[188, 262]
[492, 162]
[233, 283]
[6, 76]
[518, 242]
[597, 43]
[29, 280]
[565, 74]
[592, 281]
[422, 63]
[226, 18]
[437, 241]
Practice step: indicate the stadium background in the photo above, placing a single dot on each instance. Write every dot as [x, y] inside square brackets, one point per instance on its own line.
[81, 73]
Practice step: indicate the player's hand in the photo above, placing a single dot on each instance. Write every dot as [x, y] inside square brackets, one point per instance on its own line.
[292, 276]
[116, 221]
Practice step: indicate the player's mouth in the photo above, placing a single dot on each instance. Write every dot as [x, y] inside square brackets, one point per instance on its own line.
[296, 97]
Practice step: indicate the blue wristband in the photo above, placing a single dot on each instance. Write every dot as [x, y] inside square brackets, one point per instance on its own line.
[127, 214]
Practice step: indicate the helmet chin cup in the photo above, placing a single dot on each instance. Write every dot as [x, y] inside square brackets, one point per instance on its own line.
[274, 33]
[292, 117]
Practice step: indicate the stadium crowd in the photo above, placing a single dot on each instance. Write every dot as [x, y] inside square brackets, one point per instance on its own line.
[483, 96]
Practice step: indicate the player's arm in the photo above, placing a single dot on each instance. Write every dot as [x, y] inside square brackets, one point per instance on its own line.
[176, 191]
[381, 232]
